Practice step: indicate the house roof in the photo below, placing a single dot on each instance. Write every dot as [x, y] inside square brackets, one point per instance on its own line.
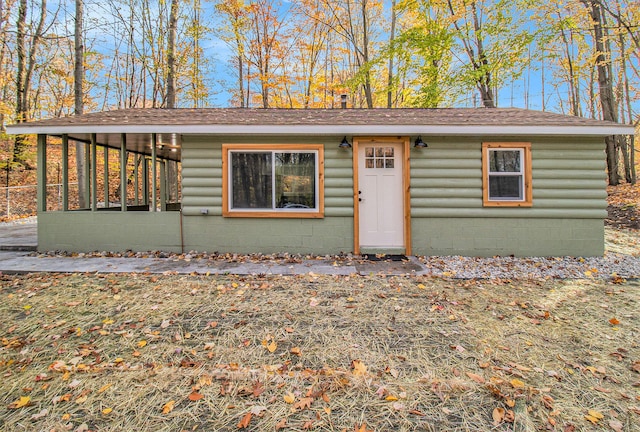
[171, 124]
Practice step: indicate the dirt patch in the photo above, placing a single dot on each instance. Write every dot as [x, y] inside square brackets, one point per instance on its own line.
[325, 353]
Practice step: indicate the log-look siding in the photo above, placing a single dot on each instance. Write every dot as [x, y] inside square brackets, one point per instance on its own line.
[202, 175]
[568, 181]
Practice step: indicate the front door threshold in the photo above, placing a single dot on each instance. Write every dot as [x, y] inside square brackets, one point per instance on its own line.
[381, 251]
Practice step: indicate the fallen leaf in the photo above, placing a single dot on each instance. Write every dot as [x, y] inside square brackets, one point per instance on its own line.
[258, 410]
[195, 396]
[107, 411]
[104, 388]
[516, 383]
[398, 406]
[614, 321]
[244, 422]
[281, 424]
[477, 378]
[22, 402]
[303, 403]
[142, 343]
[296, 351]
[40, 415]
[258, 389]
[168, 407]
[359, 368]
[616, 425]
[272, 346]
[498, 415]
[289, 398]
[594, 416]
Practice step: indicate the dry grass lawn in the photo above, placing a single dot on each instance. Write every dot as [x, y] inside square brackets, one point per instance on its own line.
[322, 353]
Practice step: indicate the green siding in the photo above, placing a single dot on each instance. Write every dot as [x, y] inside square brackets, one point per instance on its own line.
[202, 190]
[518, 237]
[569, 201]
[82, 231]
[447, 215]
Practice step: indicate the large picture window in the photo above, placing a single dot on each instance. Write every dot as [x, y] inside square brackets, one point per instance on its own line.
[506, 174]
[271, 180]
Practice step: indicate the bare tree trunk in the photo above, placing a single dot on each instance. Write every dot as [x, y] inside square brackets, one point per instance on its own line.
[571, 79]
[365, 54]
[171, 56]
[479, 60]
[26, 66]
[391, 55]
[5, 11]
[605, 86]
[20, 144]
[172, 171]
[78, 80]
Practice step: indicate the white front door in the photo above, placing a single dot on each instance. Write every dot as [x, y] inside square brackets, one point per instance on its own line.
[380, 194]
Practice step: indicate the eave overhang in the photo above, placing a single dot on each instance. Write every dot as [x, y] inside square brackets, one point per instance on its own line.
[324, 130]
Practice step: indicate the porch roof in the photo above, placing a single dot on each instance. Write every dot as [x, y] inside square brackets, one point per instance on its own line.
[171, 124]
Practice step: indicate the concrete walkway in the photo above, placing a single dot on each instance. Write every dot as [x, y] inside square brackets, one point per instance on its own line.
[18, 240]
[19, 235]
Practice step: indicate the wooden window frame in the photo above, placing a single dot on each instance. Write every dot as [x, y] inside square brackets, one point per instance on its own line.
[227, 211]
[527, 194]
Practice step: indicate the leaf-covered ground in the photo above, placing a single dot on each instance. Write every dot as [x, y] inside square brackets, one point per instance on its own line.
[623, 211]
[324, 353]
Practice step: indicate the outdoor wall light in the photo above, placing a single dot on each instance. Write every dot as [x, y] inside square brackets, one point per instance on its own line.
[419, 143]
[345, 144]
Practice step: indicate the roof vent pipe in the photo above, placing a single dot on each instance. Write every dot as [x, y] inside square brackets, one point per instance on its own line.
[343, 101]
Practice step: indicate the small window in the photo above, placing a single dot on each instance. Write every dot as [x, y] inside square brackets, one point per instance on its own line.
[273, 181]
[506, 174]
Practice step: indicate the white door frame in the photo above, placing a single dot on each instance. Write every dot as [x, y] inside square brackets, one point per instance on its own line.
[406, 149]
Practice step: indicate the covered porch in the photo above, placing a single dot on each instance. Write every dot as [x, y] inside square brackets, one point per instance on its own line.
[120, 178]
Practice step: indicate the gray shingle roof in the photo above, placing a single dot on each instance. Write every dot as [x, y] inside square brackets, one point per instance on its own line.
[320, 117]
[169, 125]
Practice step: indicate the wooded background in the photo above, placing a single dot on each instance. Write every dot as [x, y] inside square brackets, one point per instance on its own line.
[578, 57]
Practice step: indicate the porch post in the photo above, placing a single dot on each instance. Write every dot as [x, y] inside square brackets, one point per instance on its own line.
[106, 176]
[154, 171]
[136, 178]
[87, 175]
[123, 172]
[145, 180]
[177, 180]
[163, 184]
[42, 173]
[94, 173]
[65, 172]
